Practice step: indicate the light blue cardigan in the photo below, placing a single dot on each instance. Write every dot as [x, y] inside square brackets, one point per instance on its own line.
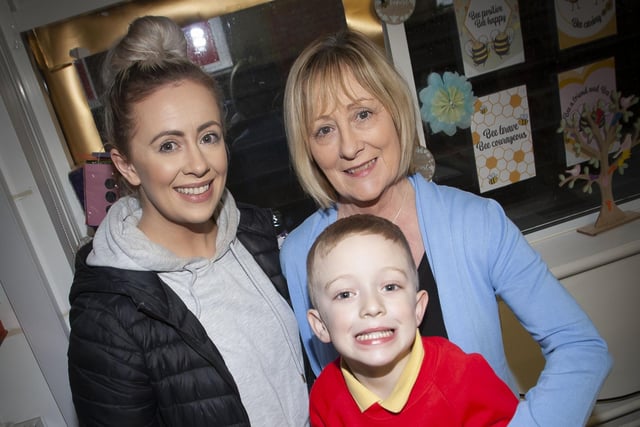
[476, 253]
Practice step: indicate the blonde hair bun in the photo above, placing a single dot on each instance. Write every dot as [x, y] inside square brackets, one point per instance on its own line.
[149, 42]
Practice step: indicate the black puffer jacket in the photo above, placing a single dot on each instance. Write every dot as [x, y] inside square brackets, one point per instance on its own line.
[139, 357]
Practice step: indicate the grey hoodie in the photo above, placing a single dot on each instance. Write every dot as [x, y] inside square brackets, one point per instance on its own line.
[243, 314]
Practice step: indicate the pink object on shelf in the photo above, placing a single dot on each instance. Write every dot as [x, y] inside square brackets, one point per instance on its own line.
[3, 332]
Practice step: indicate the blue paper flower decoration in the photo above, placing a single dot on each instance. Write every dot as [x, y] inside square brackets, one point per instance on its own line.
[447, 102]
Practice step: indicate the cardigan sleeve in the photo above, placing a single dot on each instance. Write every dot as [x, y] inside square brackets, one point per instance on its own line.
[293, 259]
[577, 358]
[106, 371]
[480, 255]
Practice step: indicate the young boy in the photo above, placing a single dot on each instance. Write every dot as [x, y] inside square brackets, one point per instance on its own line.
[364, 287]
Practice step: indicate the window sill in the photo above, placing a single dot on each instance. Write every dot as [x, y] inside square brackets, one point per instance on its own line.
[568, 252]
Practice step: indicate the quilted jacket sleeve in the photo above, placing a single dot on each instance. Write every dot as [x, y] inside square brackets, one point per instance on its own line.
[107, 373]
[106, 370]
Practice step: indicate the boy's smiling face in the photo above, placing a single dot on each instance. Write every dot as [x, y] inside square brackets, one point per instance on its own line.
[367, 303]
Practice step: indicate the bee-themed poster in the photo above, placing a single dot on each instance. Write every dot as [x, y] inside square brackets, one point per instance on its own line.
[502, 141]
[490, 34]
[581, 21]
[582, 86]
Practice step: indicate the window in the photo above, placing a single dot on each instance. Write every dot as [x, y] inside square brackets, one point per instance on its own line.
[434, 45]
[248, 50]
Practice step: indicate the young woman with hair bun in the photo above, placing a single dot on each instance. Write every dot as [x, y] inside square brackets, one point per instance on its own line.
[179, 311]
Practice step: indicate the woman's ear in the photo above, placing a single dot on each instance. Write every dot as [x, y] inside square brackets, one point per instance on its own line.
[318, 326]
[421, 305]
[126, 169]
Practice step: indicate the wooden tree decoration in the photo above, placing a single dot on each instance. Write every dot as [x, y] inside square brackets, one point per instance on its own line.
[594, 132]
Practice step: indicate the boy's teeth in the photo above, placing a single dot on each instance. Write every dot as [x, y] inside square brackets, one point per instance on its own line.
[193, 190]
[374, 335]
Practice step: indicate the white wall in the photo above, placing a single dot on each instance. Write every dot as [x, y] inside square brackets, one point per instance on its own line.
[33, 361]
[41, 223]
[35, 277]
[25, 394]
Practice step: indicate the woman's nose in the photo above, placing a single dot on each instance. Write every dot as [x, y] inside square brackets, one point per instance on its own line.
[350, 144]
[196, 162]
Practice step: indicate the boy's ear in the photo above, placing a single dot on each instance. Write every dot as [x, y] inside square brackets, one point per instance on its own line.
[126, 169]
[421, 305]
[318, 326]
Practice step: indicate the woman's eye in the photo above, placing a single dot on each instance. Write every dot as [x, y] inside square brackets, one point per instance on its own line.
[211, 138]
[363, 114]
[167, 146]
[324, 130]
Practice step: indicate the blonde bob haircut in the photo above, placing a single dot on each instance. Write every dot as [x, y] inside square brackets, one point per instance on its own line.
[316, 79]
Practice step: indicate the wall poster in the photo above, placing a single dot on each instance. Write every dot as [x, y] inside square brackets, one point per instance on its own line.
[583, 21]
[502, 141]
[582, 86]
[490, 34]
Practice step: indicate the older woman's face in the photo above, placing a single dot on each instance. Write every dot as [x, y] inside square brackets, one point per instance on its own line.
[355, 144]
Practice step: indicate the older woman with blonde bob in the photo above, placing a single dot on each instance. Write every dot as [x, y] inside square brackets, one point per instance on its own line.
[352, 131]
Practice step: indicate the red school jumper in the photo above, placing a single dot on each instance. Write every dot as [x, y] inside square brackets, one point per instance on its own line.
[452, 389]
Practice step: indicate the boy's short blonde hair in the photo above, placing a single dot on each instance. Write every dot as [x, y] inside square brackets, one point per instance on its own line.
[359, 224]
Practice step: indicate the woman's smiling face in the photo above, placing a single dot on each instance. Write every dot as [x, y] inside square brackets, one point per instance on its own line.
[355, 144]
[177, 156]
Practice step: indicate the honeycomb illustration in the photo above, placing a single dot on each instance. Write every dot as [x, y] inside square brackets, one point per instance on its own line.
[501, 135]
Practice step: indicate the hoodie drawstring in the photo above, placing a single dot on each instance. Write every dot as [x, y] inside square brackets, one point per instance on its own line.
[194, 276]
[281, 322]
